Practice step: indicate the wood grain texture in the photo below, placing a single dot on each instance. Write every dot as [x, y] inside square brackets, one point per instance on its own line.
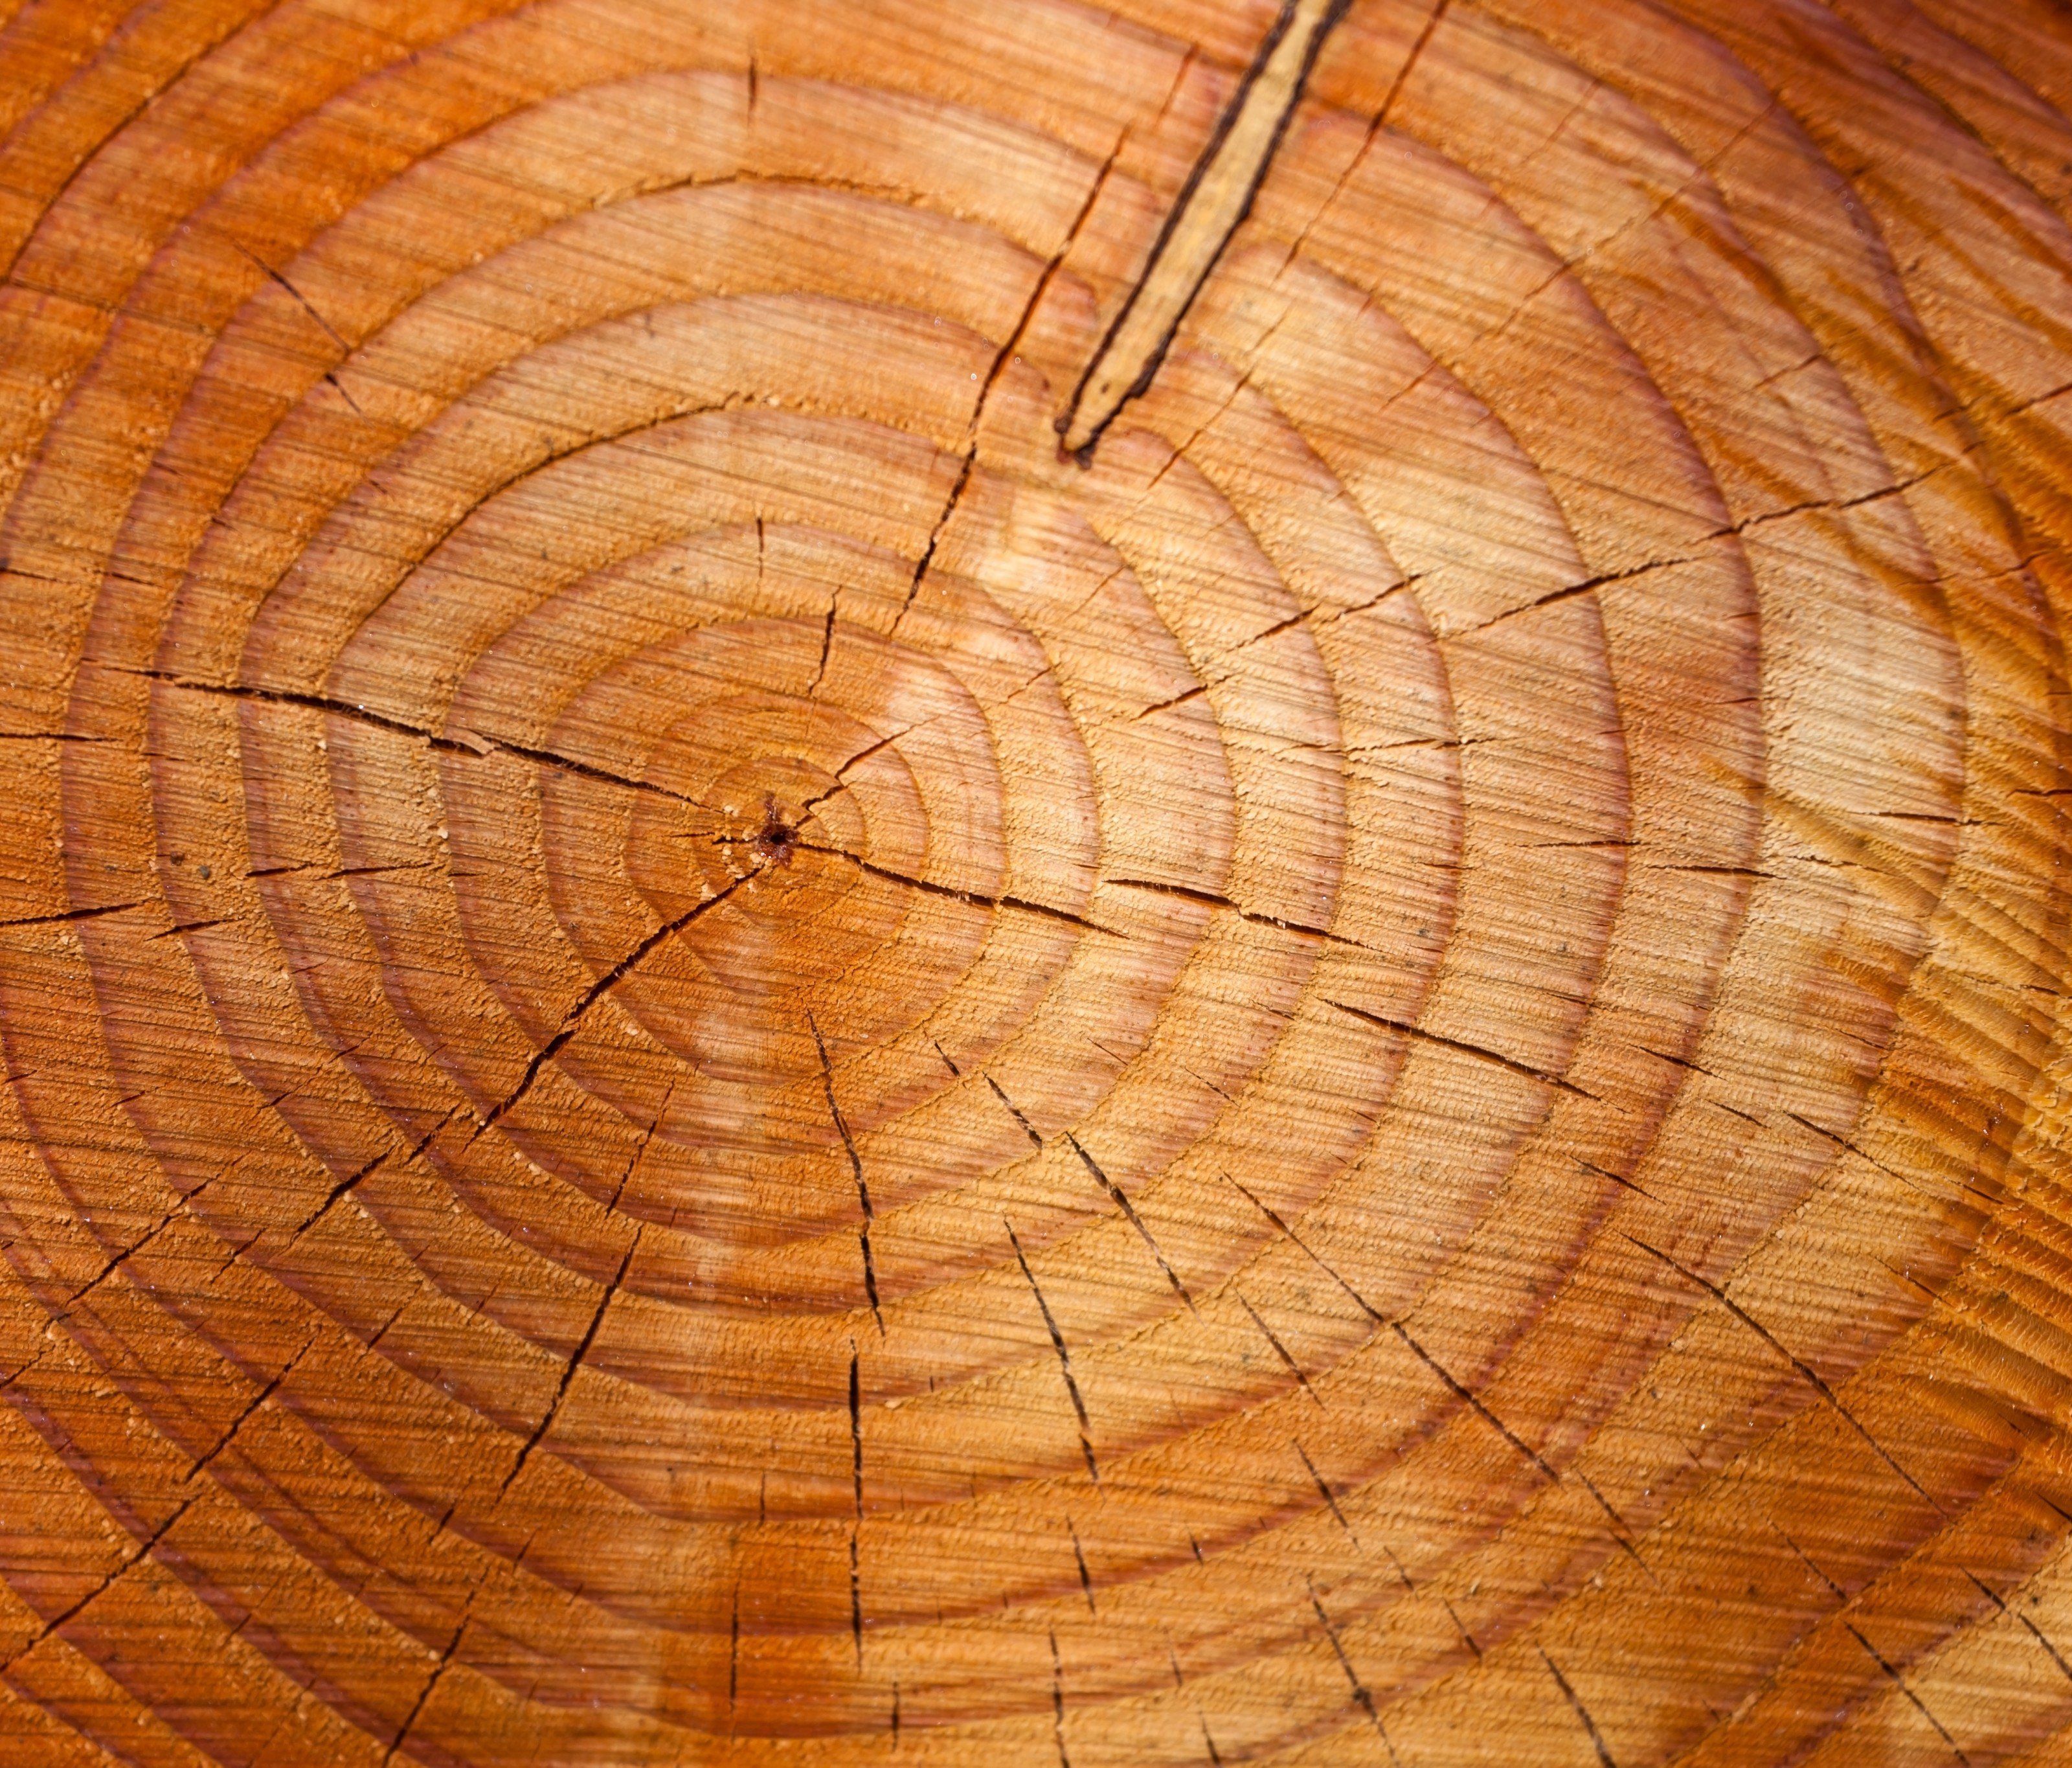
[709, 1060]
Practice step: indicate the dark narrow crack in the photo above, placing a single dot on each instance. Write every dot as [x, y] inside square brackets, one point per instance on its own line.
[1606, 1172]
[1582, 1711]
[72, 915]
[975, 898]
[1121, 1202]
[1806, 1370]
[1589, 586]
[856, 1427]
[1177, 700]
[1302, 1246]
[431, 1682]
[927, 558]
[52, 1626]
[129, 1251]
[1001, 358]
[574, 1362]
[2036, 1632]
[347, 1184]
[1619, 1531]
[826, 644]
[296, 296]
[1064, 1355]
[1461, 1391]
[1206, 214]
[1433, 1038]
[596, 991]
[187, 927]
[1078, 1555]
[1210, 899]
[476, 744]
[856, 1589]
[1899, 1682]
[856, 1167]
[841, 773]
[1461, 1627]
[1057, 1703]
[1330, 1502]
[1361, 1698]
[257, 1401]
[1279, 1350]
[1028, 1129]
[733, 1657]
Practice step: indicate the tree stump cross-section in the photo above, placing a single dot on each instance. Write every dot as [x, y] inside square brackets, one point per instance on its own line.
[1024, 883]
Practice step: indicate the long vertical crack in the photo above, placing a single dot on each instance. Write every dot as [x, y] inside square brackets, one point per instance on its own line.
[1057, 1703]
[856, 1527]
[856, 1166]
[431, 1684]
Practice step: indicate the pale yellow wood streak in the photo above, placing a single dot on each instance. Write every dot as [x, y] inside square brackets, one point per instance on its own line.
[1210, 210]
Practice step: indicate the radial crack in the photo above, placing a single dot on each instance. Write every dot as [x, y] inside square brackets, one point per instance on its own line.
[1216, 198]
[1057, 1703]
[1461, 1391]
[856, 1588]
[856, 1167]
[1899, 1682]
[1064, 1355]
[1806, 1370]
[1004, 355]
[1303, 1247]
[1210, 899]
[1330, 1502]
[573, 1021]
[257, 1401]
[1028, 1129]
[574, 1362]
[1121, 1202]
[1279, 1350]
[977, 898]
[2063, 1668]
[475, 743]
[1361, 1698]
[58, 1620]
[431, 1682]
[346, 1185]
[1582, 1711]
[72, 915]
[1436, 1039]
[1079, 1556]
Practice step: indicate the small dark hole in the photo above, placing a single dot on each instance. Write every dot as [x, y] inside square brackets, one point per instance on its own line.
[776, 838]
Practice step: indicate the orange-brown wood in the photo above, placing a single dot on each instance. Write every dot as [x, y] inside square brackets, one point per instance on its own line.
[712, 1059]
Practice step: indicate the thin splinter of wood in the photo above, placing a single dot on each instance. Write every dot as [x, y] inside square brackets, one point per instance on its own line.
[1215, 201]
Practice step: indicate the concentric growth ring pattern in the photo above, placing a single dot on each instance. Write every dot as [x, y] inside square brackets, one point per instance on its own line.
[708, 1059]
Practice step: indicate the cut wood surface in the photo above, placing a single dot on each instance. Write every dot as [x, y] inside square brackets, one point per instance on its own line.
[993, 883]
